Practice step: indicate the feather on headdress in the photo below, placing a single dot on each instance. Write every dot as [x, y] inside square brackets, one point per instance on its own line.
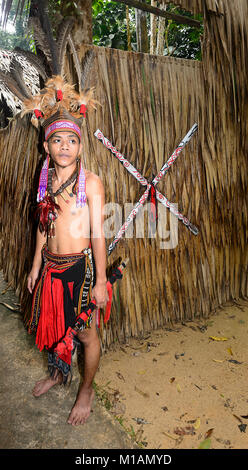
[58, 96]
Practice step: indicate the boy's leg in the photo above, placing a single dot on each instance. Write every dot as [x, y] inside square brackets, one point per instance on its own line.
[82, 407]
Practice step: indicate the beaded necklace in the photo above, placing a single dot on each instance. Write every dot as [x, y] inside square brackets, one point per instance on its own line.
[63, 186]
[53, 214]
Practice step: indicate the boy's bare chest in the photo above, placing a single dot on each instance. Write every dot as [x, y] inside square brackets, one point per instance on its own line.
[68, 209]
[66, 201]
[72, 222]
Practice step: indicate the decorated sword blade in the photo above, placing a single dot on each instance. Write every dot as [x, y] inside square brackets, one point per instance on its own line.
[129, 219]
[129, 167]
[175, 154]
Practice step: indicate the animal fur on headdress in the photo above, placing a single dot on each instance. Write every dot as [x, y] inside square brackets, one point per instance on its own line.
[56, 95]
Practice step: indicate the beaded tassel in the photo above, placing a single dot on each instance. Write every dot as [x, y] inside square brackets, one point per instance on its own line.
[81, 195]
[43, 180]
[51, 230]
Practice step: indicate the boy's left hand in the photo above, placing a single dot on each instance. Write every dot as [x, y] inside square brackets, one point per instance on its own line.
[100, 294]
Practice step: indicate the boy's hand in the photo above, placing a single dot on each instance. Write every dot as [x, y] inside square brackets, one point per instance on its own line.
[32, 278]
[100, 294]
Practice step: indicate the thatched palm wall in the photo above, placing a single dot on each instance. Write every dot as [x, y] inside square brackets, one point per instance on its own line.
[148, 105]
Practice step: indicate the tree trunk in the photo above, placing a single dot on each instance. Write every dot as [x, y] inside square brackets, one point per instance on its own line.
[81, 35]
[161, 30]
[141, 31]
[153, 29]
[129, 47]
[83, 28]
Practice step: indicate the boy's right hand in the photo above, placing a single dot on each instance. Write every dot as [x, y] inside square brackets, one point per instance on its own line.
[32, 278]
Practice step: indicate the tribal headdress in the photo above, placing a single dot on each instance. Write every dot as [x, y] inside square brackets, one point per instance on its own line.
[58, 106]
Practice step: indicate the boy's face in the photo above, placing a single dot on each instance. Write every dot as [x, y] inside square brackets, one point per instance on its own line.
[64, 148]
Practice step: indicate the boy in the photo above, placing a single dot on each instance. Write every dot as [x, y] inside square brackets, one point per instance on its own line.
[64, 234]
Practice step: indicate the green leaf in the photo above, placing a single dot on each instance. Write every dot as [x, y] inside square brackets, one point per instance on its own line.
[206, 444]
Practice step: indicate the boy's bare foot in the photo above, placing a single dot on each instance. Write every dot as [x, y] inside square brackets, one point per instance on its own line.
[81, 410]
[43, 385]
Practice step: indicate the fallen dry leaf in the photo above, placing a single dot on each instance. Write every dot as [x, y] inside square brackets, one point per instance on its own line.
[197, 386]
[206, 444]
[238, 418]
[120, 376]
[218, 338]
[170, 436]
[164, 408]
[179, 388]
[209, 433]
[179, 355]
[144, 394]
[141, 421]
[188, 430]
[197, 423]
[14, 309]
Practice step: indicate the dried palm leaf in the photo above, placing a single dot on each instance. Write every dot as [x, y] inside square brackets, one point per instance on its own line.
[11, 84]
[16, 72]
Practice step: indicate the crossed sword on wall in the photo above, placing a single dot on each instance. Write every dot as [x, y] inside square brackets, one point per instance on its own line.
[144, 182]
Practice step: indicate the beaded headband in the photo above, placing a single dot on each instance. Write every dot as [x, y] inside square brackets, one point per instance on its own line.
[61, 126]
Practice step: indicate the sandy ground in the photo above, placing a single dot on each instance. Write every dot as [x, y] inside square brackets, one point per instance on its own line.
[183, 387]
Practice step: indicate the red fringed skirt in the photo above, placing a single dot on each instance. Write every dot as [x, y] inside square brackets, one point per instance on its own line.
[63, 290]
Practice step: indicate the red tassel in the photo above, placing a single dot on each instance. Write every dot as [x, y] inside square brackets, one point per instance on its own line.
[65, 346]
[153, 199]
[59, 95]
[109, 303]
[38, 113]
[46, 206]
[83, 109]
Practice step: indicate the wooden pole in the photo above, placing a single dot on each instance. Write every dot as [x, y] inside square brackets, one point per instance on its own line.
[156, 11]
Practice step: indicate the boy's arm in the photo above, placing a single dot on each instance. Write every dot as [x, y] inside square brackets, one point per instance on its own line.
[37, 261]
[96, 201]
